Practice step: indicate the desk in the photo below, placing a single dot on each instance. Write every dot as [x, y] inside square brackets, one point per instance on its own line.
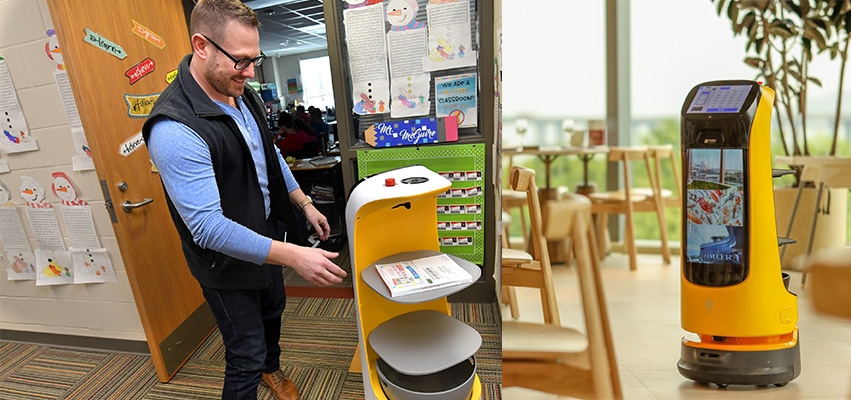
[316, 176]
[551, 153]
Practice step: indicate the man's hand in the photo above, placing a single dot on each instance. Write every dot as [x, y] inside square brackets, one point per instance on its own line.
[318, 221]
[312, 264]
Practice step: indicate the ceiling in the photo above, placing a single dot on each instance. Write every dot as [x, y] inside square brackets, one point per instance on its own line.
[290, 26]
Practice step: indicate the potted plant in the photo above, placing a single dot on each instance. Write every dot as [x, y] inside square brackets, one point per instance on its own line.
[782, 39]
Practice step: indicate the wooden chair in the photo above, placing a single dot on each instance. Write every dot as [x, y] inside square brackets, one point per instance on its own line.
[628, 201]
[659, 155]
[515, 200]
[563, 360]
[530, 269]
[508, 294]
[660, 198]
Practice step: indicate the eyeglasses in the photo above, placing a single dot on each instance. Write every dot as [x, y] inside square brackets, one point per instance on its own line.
[242, 63]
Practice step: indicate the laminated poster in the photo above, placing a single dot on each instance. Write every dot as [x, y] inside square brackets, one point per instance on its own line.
[456, 96]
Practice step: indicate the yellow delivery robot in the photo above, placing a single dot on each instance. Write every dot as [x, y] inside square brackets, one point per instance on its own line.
[735, 302]
[410, 347]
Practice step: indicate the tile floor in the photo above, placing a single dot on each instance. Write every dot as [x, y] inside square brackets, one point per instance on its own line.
[644, 313]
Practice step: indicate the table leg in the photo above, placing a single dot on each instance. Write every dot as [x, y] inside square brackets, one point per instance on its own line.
[585, 188]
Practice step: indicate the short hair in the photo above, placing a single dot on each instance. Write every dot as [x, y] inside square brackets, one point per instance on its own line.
[209, 17]
[285, 119]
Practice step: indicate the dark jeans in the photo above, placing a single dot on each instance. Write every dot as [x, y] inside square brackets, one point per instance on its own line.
[250, 324]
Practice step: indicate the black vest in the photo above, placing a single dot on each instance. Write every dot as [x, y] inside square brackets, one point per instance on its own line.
[236, 179]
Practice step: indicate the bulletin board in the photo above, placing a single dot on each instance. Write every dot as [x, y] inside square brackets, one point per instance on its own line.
[428, 67]
[460, 211]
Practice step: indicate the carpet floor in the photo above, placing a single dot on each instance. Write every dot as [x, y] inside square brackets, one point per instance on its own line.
[318, 338]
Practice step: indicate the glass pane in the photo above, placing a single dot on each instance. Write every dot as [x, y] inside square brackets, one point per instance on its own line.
[316, 78]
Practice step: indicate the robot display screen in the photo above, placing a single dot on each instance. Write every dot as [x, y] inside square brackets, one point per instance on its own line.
[715, 211]
[719, 99]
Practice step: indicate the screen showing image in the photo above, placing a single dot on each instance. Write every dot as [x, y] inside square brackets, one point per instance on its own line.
[719, 99]
[715, 215]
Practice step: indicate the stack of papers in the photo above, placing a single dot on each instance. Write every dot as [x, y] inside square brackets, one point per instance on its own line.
[322, 193]
[422, 274]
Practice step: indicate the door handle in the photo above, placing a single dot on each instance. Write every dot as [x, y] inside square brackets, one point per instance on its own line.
[128, 206]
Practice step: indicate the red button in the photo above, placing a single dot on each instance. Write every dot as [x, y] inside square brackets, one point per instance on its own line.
[390, 182]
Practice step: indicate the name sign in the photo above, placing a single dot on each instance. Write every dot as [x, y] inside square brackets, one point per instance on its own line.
[412, 132]
[143, 32]
[131, 145]
[140, 106]
[95, 39]
[139, 70]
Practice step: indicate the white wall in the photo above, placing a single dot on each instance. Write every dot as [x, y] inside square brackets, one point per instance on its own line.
[287, 67]
[104, 310]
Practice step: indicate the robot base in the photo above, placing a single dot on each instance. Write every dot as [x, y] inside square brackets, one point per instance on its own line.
[725, 367]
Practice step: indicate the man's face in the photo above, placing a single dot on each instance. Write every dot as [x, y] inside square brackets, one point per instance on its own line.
[241, 42]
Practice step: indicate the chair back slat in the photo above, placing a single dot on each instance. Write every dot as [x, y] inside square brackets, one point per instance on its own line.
[523, 179]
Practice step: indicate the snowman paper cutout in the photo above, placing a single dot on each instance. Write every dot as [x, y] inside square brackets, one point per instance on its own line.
[5, 195]
[52, 49]
[33, 193]
[65, 190]
[401, 14]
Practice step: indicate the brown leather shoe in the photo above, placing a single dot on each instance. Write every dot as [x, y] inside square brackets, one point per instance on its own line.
[282, 388]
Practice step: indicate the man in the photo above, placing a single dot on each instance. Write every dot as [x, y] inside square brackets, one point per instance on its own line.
[228, 190]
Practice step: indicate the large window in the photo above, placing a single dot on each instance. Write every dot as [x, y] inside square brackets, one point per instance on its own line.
[674, 45]
[316, 79]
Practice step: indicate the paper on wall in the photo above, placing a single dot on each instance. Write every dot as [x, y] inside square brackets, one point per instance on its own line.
[17, 248]
[367, 58]
[449, 37]
[16, 134]
[53, 267]
[92, 266]
[409, 83]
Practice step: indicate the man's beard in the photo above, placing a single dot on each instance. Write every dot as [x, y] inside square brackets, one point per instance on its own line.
[221, 82]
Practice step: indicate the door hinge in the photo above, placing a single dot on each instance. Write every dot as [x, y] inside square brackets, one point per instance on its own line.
[107, 200]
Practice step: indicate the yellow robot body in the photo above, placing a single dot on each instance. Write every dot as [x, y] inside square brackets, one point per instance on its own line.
[734, 296]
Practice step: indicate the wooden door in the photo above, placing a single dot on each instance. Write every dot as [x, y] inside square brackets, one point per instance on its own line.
[118, 55]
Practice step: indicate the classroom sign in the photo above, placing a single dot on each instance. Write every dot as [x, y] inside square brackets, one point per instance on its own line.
[456, 96]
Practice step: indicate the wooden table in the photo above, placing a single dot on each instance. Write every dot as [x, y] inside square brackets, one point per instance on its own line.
[548, 155]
